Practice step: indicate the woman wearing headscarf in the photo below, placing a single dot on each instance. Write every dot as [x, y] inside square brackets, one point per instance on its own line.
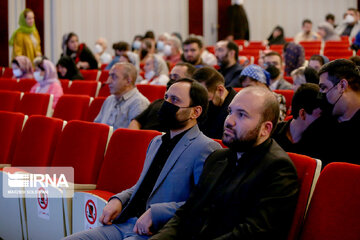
[22, 67]
[276, 37]
[327, 32]
[26, 39]
[47, 80]
[67, 69]
[156, 71]
[294, 56]
[79, 52]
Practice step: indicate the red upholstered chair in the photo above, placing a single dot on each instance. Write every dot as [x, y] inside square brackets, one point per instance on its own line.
[103, 66]
[36, 103]
[10, 129]
[65, 84]
[25, 85]
[104, 90]
[289, 79]
[334, 209]
[104, 76]
[220, 142]
[288, 94]
[82, 87]
[308, 171]
[120, 170]
[8, 84]
[152, 92]
[72, 107]
[8, 73]
[94, 108]
[9, 100]
[89, 74]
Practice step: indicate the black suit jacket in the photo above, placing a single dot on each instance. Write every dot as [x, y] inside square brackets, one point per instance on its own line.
[258, 203]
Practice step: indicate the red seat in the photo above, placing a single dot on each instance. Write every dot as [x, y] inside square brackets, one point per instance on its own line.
[82, 146]
[240, 42]
[211, 49]
[89, 74]
[220, 142]
[9, 100]
[308, 171]
[37, 141]
[64, 84]
[8, 73]
[25, 85]
[104, 76]
[103, 66]
[289, 79]
[289, 39]
[83, 87]
[8, 84]
[10, 129]
[35, 103]
[152, 92]
[288, 94]
[249, 52]
[72, 107]
[312, 44]
[334, 209]
[104, 91]
[94, 108]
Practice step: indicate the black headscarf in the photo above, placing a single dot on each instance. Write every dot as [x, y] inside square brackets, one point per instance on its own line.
[72, 71]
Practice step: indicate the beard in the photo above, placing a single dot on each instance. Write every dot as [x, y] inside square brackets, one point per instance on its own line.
[243, 143]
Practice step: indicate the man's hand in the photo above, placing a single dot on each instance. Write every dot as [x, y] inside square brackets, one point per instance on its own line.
[111, 211]
[143, 224]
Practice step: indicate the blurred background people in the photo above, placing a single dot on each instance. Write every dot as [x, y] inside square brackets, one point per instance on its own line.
[316, 61]
[156, 71]
[304, 75]
[294, 57]
[22, 67]
[119, 48]
[307, 34]
[173, 50]
[67, 69]
[101, 55]
[277, 37]
[350, 25]
[327, 32]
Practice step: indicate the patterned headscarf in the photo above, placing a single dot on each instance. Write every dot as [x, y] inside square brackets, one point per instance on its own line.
[294, 56]
[255, 72]
[24, 28]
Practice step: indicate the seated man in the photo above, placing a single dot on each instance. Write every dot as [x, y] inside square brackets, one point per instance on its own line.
[172, 168]
[125, 101]
[307, 34]
[275, 66]
[193, 49]
[248, 191]
[149, 119]
[219, 100]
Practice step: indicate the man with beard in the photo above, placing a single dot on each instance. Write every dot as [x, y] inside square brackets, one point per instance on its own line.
[307, 34]
[274, 65]
[248, 191]
[227, 53]
[172, 168]
[192, 52]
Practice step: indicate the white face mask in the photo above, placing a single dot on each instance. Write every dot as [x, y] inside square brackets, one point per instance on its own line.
[136, 45]
[349, 19]
[37, 76]
[160, 46]
[17, 72]
[98, 48]
[167, 50]
[237, 2]
[149, 75]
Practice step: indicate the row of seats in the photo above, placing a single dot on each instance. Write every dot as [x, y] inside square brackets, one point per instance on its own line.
[329, 204]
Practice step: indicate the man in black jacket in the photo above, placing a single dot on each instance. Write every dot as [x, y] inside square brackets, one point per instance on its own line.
[248, 191]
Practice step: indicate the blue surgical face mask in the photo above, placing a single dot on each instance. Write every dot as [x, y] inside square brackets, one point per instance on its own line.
[17, 72]
[37, 76]
[136, 45]
[160, 46]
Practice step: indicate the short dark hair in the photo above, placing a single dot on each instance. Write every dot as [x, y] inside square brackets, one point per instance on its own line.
[355, 59]
[190, 69]
[121, 46]
[318, 58]
[311, 75]
[330, 16]
[210, 76]
[342, 68]
[306, 21]
[14, 61]
[191, 40]
[149, 34]
[198, 96]
[273, 53]
[233, 46]
[305, 97]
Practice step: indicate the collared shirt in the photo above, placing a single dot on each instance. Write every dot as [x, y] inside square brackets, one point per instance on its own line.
[118, 113]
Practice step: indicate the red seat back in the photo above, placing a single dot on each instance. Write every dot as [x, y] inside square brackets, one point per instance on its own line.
[10, 129]
[8, 73]
[34, 103]
[82, 146]
[9, 100]
[37, 141]
[72, 107]
[152, 92]
[288, 94]
[8, 84]
[64, 84]
[104, 91]
[89, 74]
[25, 85]
[125, 157]
[308, 170]
[334, 209]
[104, 76]
[94, 108]
[82, 87]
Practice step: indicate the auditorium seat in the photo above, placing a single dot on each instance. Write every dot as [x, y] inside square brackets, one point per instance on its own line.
[104, 90]
[121, 169]
[81, 146]
[83, 87]
[94, 108]
[89, 74]
[334, 209]
[36, 103]
[72, 107]
[7, 73]
[152, 92]
[288, 94]
[9, 100]
[8, 84]
[25, 85]
[308, 171]
[104, 76]
[220, 142]
[65, 84]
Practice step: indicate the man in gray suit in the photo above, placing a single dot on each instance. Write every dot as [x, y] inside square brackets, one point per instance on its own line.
[172, 168]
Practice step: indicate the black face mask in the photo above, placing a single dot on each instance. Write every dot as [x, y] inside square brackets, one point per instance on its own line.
[274, 71]
[326, 107]
[167, 116]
